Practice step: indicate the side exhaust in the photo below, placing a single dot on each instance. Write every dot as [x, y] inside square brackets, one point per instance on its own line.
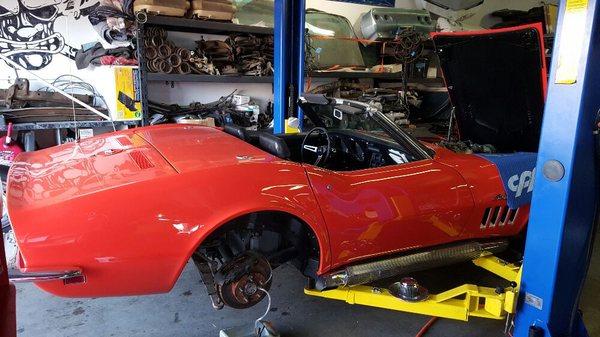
[437, 257]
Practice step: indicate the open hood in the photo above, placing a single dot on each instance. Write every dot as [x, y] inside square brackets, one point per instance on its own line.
[496, 80]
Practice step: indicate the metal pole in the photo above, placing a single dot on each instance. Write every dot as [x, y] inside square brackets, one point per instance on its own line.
[282, 64]
[299, 19]
[565, 196]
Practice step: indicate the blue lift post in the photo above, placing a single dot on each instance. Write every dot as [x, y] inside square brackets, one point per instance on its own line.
[566, 185]
[299, 23]
[289, 60]
[283, 58]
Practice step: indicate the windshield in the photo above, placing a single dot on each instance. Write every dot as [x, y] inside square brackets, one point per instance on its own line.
[344, 118]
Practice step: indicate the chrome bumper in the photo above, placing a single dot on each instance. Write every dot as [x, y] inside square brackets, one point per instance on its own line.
[17, 276]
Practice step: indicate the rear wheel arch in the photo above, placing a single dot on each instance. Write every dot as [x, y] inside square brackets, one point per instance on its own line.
[271, 232]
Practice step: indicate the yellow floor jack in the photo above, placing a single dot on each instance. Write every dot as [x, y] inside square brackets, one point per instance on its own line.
[459, 303]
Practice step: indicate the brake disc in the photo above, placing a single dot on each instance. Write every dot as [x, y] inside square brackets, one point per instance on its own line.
[242, 280]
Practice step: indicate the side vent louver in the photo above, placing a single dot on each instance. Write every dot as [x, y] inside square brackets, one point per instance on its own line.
[124, 141]
[498, 216]
[141, 160]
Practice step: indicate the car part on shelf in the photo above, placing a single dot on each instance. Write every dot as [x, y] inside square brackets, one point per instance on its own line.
[163, 56]
[467, 147]
[391, 103]
[455, 5]
[246, 54]
[162, 7]
[46, 104]
[387, 23]
[333, 40]
[254, 54]
[342, 88]
[239, 54]
[18, 95]
[221, 10]
[431, 258]
[223, 111]
[406, 47]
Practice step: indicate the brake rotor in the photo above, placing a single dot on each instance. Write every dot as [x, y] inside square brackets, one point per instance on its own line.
[243, 277]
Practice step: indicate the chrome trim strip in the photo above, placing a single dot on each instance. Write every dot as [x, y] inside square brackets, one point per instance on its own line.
[16, 276]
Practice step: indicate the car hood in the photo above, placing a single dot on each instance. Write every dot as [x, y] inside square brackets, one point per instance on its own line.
[496, 80]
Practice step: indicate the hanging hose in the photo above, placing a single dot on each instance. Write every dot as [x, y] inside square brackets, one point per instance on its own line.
[426, 327]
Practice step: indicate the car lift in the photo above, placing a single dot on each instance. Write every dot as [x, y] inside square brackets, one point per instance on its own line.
[563, 213]
[458, 303]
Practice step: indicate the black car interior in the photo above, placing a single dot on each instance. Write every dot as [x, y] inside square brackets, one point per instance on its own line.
[350, 150]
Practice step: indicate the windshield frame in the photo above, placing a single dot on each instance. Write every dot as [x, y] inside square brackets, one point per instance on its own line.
[417, 149]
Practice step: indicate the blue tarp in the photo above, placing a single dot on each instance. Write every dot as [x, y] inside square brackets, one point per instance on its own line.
[517, 171]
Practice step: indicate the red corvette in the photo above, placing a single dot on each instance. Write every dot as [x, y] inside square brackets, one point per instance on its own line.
[353, 200]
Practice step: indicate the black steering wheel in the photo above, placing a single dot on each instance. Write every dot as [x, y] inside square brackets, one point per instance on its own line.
[320, 152]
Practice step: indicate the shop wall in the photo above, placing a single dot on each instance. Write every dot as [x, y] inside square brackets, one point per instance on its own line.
[43, 35]
[56, 32]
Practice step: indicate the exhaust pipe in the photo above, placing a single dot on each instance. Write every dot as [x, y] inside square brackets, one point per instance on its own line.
[433, 258]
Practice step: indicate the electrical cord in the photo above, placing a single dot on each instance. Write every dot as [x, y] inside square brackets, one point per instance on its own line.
[426, 327]
[258, 323]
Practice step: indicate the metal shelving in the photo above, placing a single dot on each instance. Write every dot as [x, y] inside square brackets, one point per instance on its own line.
[191, 26]
[66, 125]
[355, 74]
[156, 77]
[367, 74]
[203, 26]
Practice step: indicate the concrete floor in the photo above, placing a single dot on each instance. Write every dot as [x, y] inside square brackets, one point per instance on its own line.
[186, 311]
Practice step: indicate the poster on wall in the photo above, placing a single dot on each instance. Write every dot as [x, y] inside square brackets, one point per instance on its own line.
[43, 37]
[382, 3]
[35, 34]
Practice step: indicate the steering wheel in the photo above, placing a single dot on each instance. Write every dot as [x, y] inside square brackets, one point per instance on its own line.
[319, 151]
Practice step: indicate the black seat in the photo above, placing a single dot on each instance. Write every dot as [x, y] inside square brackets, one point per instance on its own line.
[236, 131]
[274, 145]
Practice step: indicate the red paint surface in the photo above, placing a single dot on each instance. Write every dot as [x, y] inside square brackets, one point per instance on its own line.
[130, 224]
[8, 305]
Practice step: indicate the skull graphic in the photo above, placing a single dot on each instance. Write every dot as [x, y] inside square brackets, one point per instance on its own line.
[27, 33]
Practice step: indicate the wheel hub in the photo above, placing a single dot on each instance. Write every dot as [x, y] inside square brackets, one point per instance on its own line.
[243, 277]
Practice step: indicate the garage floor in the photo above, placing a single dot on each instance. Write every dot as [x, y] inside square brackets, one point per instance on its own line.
[186, 311]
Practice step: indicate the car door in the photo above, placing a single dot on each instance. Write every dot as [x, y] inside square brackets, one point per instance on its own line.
[389, 209]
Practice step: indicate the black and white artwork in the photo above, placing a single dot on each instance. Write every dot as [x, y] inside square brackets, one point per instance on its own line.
[27, 29]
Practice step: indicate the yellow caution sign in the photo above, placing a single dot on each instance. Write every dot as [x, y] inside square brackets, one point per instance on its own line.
[571, 42]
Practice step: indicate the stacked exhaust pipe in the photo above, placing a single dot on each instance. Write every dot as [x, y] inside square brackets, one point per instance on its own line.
[437, 257]
[163, 56]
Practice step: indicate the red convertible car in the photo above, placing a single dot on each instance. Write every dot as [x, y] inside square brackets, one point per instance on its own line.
[354, 200]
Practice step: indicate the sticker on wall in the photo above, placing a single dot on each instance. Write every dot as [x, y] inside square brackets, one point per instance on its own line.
[128, 105]
[572, 36]
[27, 33]
[383, 3]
